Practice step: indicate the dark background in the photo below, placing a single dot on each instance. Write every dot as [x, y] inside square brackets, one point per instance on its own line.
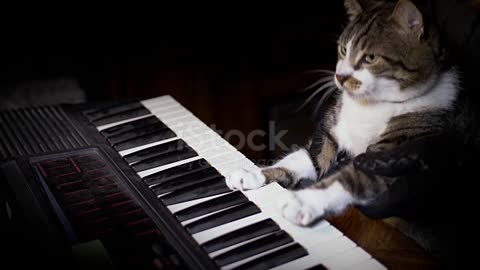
[236, 67]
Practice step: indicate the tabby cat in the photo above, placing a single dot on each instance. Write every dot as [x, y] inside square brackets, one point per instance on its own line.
[394, 87]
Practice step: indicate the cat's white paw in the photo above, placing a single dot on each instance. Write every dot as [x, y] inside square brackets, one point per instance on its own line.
[301, 210]
[242, 179]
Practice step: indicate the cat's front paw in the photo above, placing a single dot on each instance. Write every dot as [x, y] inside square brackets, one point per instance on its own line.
[242, 179]
[300, 209]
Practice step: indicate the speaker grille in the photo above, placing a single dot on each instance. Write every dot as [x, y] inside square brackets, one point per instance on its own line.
[36, 130]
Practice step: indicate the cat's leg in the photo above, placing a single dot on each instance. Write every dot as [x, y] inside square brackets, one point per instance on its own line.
[327, 155]
[287, 172]
[333, 194]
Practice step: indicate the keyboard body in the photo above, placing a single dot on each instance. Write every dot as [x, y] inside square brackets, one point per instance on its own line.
[140, 185]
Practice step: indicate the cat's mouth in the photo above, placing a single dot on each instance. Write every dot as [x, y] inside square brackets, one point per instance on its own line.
[350, 85]
[360, 96]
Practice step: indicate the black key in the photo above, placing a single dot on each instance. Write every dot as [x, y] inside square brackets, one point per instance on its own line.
[212, 187]
[212, 205]
[276, 258]
[137, 112]
[109, 132]
[161, 160]
[223, 217]
[253, 248]
[146, 139]
[122, 137]
[155, 151]
[186, 180]
[318, 267]
[241, 235]
[108, 111]
[177, 171]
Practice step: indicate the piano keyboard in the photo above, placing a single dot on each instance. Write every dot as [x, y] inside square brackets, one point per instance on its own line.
[184, 163]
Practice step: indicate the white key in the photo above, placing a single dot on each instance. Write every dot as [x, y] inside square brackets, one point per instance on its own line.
[221, 251]
[238, 263]
[211, 155]
[180, 206]
[165, 108]
[217, 160]
[236, 158]
[347, 259]
[157, 100]
[207, 136]
[179, 119]
[207, 235]
[175, 113]
[186, 222]
[321, 233]
[145, 146]
[221, 155]
[185, 121]
[330, 249]
[206, 146]
[226, 168]
[320, 252]
[164, 104]
[103, 127]
[148, 172]
[161, 107]
[204, 138]
[272, 192]
[212, 233]
[173, 116]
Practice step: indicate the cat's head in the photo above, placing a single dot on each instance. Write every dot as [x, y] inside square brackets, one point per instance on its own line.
[385, 53]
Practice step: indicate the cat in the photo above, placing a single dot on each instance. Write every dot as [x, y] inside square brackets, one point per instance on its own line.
[394, 87]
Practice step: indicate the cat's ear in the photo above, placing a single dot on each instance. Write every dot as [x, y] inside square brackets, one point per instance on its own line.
[408, 17]
[353, 8]
[356, 7]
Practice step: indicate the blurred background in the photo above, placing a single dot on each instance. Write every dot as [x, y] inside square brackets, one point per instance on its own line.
[236, 68]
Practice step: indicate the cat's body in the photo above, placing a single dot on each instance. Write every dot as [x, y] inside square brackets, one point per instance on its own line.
[394, 90]
[358, 126]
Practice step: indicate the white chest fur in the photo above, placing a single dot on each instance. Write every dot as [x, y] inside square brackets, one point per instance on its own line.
[359, 125]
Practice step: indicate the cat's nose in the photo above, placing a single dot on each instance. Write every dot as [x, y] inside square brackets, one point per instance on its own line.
[341, 78]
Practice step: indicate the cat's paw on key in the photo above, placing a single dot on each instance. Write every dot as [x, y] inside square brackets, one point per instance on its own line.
[299, 210]
[242, 179]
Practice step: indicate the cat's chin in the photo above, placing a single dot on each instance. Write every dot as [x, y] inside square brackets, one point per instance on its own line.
[362, 98]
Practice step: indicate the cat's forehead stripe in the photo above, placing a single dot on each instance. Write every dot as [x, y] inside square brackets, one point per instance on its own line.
[364, 31]
[349, 32]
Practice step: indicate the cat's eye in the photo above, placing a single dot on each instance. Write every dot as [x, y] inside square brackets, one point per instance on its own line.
[342, 50]
[370, 58]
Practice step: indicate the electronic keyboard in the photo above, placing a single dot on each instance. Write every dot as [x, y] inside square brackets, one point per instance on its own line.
[143, 184]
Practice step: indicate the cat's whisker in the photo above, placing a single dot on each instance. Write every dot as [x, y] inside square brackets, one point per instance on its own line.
[318, 90]
[319, 71]
[318, 82]
[324, 97]
[323, 87]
